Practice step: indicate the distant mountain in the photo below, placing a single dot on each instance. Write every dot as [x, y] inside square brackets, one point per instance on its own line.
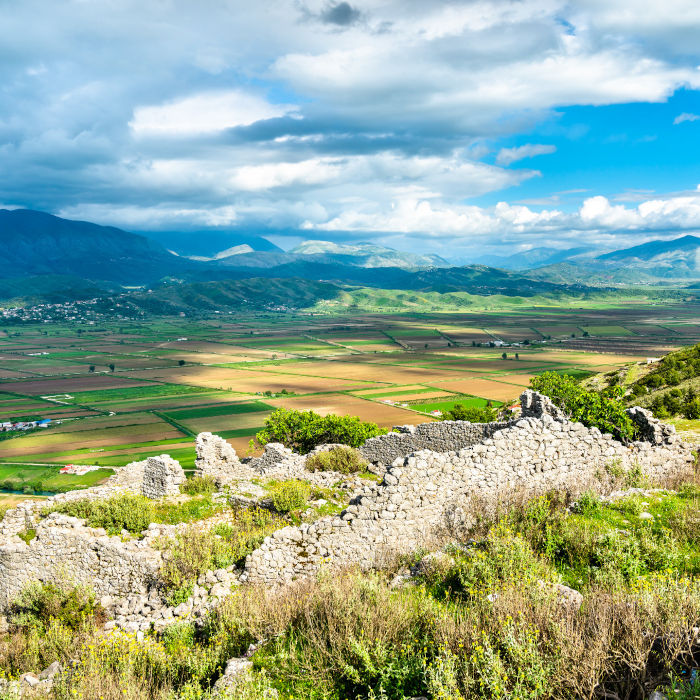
[655, 262]
[35, 243]
[209, 244]
[534, 258]
[684, 249]
[366, 255]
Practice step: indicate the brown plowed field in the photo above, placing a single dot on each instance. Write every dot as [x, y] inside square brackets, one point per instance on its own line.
[385, 416]
[50, 387]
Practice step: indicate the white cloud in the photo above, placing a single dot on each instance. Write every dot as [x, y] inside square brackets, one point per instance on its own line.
[506, 156]
[686, 117]
[597, 215]
[204, 113]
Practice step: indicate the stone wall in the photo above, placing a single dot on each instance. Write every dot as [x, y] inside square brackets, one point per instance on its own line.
[430, 490]
[444, 436]
[162, 476]
[65, 548]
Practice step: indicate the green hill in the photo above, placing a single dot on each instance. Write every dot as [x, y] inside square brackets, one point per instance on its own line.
[670, 387]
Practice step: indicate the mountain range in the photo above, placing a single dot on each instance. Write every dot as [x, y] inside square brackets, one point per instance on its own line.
[45, 257]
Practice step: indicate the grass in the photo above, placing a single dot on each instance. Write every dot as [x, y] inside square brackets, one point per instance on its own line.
[17, 478]
[87, 398]
[231, 409]
[444, 406]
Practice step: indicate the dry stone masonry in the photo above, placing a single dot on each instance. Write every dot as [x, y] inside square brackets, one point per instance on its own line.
[427, 490]
[433, 474]
[162, 476]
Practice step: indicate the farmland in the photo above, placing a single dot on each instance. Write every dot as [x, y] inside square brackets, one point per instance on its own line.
[127, 390]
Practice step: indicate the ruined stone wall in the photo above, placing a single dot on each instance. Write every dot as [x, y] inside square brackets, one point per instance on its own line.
[429, 490]
[444, 436]
[64, 547]
[162, 476]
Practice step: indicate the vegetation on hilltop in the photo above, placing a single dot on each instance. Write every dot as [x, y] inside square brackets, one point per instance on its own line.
[600, 409]
[671, 387]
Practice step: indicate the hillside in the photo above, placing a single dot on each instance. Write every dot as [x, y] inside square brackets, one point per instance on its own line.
[669, 387]
[35, 243]
[226, 295]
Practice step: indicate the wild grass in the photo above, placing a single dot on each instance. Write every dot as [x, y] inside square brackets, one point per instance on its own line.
[484, 620]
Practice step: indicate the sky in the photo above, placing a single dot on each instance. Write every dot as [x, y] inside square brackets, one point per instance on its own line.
[458, 127]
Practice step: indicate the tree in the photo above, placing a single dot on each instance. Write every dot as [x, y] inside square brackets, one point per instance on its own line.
[470, 413]
[111, 367]
[504, 356]
[92, 368]
[181, 363]
[304, 430]
[603, 410]
[517, 357]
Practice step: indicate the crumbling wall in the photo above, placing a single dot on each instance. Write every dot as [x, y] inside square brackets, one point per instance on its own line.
[444, 436]
[162, 476]
[65, 548]
[430, 490]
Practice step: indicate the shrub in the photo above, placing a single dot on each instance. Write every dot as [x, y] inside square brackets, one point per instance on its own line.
[199, 485]
[304, 430]
[248, 530]
[41, 603]
[602, 410]
[470, 413]
[126, 512]
[345, 460]
[190, 554]
[289, 495]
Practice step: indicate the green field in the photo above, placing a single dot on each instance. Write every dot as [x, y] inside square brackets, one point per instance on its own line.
[231, 409]
[172, 401]
[20, 477]
[444, 406]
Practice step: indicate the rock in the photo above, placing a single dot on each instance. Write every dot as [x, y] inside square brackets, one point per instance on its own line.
[567, 597]
[30, 679]
[432, 562]
[50, 671]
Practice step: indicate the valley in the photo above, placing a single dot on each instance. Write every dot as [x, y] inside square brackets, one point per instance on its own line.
[125, 390]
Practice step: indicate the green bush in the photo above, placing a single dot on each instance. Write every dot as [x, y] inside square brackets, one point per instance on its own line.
[346, 460]
[126, 512]
[199, 485]
[39, 604]
[470, 413]
[192, 553]
[304, 430]
[289, 495]
[602, 410]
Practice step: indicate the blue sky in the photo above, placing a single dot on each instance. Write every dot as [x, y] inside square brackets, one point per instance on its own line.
[461, 127]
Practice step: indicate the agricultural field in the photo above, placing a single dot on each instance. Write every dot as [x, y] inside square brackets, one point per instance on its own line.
[172, 378]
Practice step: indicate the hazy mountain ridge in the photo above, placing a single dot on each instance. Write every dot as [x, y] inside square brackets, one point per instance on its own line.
[654, 262]
[35, 243]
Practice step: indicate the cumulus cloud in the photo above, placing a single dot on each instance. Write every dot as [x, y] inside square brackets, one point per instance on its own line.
[342, 14]
[686, 117]
[203, 113]
[336, 116]
[506, 156]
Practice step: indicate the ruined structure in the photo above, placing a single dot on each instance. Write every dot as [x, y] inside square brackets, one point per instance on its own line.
[162, 476]
[432, 473]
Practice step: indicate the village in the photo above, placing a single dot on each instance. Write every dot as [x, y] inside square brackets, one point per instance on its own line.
[12, 426]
